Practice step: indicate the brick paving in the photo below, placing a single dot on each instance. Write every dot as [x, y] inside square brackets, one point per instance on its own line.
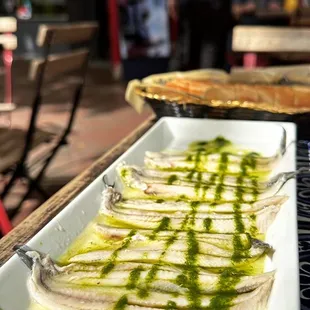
[102, 120]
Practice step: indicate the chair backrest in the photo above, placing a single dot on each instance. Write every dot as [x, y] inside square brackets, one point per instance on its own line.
[289, 43]
[58, 64]
[8, 25]
[260, 39]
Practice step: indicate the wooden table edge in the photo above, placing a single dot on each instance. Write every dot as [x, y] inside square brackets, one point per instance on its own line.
[49, 209]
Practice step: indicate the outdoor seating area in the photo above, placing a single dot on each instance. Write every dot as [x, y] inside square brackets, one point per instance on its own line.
[154, 155]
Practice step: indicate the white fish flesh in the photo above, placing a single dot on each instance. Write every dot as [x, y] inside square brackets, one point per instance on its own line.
[131, 173]
[201, 207]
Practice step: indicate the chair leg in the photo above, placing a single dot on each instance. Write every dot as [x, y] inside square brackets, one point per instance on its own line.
[34, 183]
[42, 192]
[31, 187]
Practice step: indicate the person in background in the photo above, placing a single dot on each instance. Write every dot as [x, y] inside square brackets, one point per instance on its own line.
[209, 22]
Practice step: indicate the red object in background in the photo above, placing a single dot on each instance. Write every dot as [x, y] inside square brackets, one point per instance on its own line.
[114, 34]
[7, 61]
[252, 60]
[5, 224]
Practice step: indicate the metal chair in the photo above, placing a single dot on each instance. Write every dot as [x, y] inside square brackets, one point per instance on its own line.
[43, 72]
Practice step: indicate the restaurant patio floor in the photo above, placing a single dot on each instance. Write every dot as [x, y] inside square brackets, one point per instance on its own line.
[102, 120]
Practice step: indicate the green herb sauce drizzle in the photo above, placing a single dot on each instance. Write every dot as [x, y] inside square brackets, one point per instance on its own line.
[134, 278]
[109, 265]
[163, 225]
[151, 276]
[192, 272]
[194, 205]
[229, 278]
[222, 169]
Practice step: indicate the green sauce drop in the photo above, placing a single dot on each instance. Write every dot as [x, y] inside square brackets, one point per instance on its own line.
[122, 303]
[194, 205]
[160, 201]
[124, 173]
[171, 305]
[228, 280]
[222, 169]
[173, 178]
[164, 225]
[134, 278]
[108, 267]
[207, 222]
[190, 175]
[253, 228]
[189, 158]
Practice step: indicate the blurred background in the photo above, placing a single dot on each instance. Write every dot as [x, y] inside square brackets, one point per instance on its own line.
[135, 38]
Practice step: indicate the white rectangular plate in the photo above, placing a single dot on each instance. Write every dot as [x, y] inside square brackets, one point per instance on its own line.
[263, 137]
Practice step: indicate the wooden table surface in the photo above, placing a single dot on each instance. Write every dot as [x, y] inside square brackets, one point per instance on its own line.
[40, 217]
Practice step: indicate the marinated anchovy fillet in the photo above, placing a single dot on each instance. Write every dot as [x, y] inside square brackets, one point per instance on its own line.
[76, 287]
[187, 232]
[224, 241]
[159, 205]
[191, 191]
[256, 222]
[132, 174]
[207, 162]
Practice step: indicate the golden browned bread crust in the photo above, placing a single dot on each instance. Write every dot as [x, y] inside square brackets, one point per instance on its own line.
[290, 98]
